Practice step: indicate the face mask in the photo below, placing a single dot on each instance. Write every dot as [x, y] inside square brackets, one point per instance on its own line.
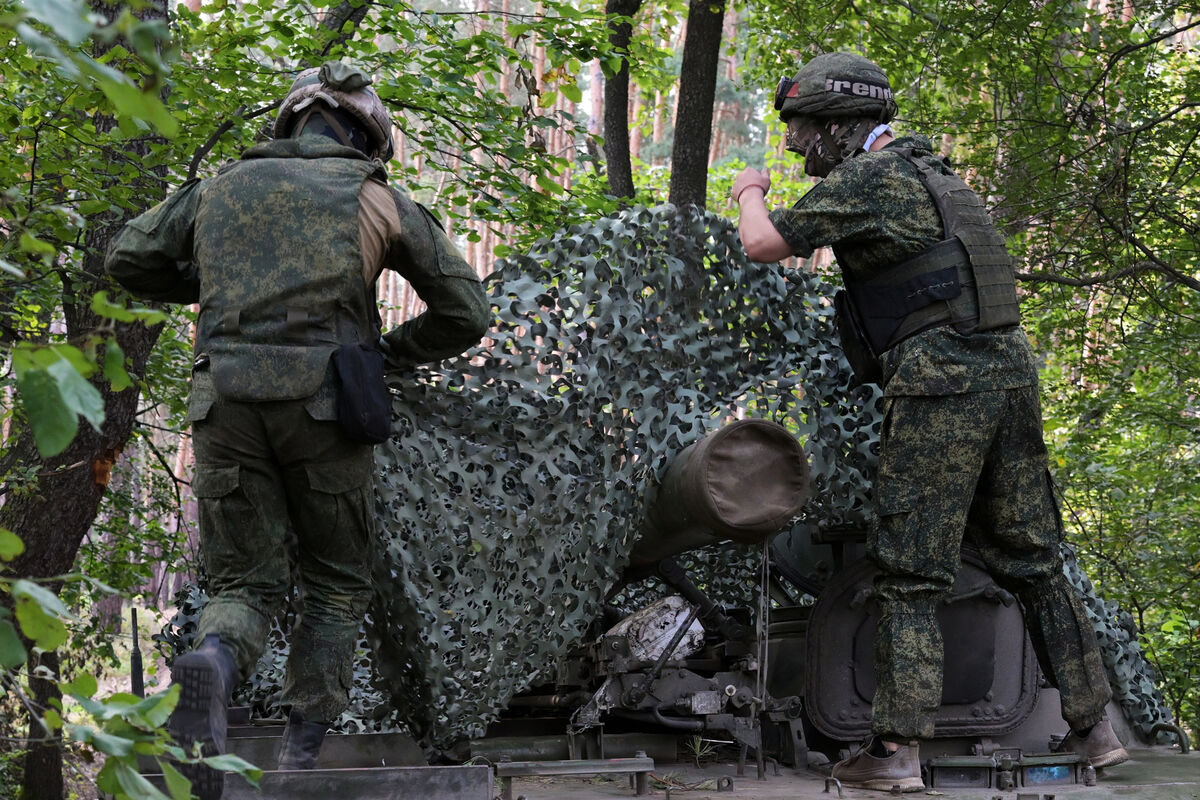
[807, 138]
[824, 144]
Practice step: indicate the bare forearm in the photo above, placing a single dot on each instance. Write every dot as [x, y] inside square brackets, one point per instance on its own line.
[759, 237]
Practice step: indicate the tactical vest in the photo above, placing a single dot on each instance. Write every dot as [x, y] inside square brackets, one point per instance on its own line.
[277, 244]
[965, 280]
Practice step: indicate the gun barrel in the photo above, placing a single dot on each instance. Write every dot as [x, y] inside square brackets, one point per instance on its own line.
[743, 482]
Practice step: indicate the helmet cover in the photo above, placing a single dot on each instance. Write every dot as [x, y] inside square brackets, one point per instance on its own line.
[343, 87]
[837, 85]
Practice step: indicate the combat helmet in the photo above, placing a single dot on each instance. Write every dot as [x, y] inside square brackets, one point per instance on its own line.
[831, 107]
[837, 85]
[343, 89]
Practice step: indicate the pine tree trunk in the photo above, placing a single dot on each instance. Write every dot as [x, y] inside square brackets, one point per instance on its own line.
[697, 90]
[616, 104]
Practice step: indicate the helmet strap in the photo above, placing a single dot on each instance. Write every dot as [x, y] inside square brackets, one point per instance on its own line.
[831, 147]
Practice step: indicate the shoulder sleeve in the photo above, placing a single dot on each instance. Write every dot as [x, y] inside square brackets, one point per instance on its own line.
[457, 311]
[152, 255]
[844, 207]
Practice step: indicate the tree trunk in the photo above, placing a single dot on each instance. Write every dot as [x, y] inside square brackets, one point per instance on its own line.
[697, 90]
[616, 103]
[44, 759]
[53, 520]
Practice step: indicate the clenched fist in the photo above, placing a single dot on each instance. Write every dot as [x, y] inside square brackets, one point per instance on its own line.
[747, 178]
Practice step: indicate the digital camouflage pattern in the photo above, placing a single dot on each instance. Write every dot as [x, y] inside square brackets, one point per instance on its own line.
[973, 462]
[282, 272]
[302, 475]
[271, 338]
[874, 212]
[281, 281]
[961, 450]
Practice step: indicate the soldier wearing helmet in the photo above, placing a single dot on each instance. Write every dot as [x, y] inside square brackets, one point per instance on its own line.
[282, 250]
[929, 312]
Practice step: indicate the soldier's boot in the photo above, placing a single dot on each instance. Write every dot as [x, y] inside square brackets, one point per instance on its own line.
[873, 767]
[301, 742]
[206, 677]
[1100, 747]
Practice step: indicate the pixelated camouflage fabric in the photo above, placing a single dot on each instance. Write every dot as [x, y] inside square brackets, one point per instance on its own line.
[496, 421]
[874, 212]
[509, 495]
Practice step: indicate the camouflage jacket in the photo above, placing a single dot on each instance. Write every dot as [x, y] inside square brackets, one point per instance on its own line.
[282, 250]
[874, 212]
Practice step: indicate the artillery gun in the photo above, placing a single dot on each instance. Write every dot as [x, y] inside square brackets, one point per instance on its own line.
[785, 682]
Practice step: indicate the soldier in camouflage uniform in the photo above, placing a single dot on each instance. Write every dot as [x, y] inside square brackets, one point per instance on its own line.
[282, 250]
[931, 308]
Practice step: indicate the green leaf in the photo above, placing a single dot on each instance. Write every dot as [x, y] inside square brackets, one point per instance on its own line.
[11, 269]
[104, 307]
[132, 102]
[572, 92]
[11, 545]
[53, 719]
[84, 685]
[228, 762]
[179, 786]
[157, 708]
[101, 740]
[53, 423]
[548, 184]
[44, 628]
[67, 19]
[34, 245]
[94, 206]
[77, 394]
[44, 46]
[12, 652]
[39, 612]
[26, 589]
[114, 366]
[131, 782]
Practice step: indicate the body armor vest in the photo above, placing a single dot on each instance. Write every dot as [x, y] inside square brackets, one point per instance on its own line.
[277, 243]
[965, 280]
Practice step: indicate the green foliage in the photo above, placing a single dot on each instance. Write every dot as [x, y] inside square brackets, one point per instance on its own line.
[48, 58]
[120, 727]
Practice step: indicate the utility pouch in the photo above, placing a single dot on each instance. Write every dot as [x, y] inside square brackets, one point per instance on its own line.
[854, 343]
[364, 404]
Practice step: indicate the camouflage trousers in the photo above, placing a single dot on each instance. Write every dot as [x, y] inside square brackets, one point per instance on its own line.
[260, 468]
[970, 466]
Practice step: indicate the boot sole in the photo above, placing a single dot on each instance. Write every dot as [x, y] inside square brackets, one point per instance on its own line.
[192, 722]
[888, 784]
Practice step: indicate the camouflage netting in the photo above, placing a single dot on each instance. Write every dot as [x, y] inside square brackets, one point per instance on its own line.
[1132, 678]
[509, 497]
[517, 476]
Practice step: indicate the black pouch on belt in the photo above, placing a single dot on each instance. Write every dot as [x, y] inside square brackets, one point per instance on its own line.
[364, 404]
[854, 342]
